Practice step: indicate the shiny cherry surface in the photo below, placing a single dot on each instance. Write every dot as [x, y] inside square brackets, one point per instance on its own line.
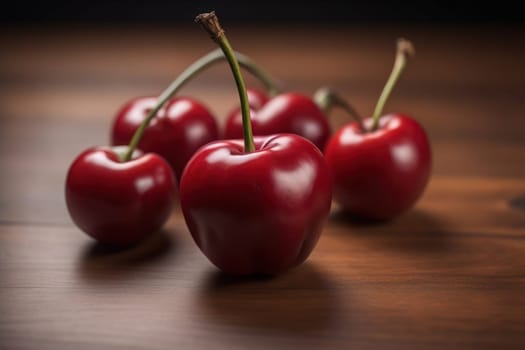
[179, 129]
[118, 202]
[259, 212]
[379, 174]
[285, 113]
[256, 98]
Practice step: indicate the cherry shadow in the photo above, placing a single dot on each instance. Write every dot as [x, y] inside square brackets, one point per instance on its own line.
[415, 232]
[300, 301]
[99, 262]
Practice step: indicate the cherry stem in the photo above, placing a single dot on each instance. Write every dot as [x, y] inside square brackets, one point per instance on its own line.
[210, 23]
[404, 50]
[189, 73]
[327, 98]
[256, 70]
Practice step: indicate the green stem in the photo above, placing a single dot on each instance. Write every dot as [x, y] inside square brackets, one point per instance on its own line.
[210, 23]
[197, 67]
[327, 98]
[404, 49]
[257, 71]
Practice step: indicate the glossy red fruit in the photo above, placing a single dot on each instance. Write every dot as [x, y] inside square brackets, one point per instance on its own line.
[259, 212]
[285, 113]
[256, 98]
[379, 174]
[179, 129]
[118, 202]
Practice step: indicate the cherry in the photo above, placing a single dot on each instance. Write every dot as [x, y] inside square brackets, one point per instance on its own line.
[118, 202]
[179, 129]
[254, 206]
[285, 113]
[380, 166]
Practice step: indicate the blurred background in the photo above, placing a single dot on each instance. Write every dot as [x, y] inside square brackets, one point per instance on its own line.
[259, 11]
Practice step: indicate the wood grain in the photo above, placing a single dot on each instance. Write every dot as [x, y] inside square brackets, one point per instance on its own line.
[448, 274]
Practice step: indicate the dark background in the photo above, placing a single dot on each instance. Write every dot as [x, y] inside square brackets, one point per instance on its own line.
[118, 11]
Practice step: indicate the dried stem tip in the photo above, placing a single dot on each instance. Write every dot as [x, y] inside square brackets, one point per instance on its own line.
[405, 48]
[210, 23]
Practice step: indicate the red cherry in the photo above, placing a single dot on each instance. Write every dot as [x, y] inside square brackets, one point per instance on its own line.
[254, 206]
[178, 130]
[285, 113]
[258, 212]
[119, 202]
[257, 98]
[380, 166]
[379, 174]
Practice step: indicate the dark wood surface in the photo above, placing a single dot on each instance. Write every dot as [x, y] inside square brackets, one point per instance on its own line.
[448, 274]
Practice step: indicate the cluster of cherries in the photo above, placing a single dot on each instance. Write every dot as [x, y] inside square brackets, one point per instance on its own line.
[252, 204]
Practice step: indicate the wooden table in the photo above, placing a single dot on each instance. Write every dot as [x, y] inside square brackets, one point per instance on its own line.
[449, 274]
